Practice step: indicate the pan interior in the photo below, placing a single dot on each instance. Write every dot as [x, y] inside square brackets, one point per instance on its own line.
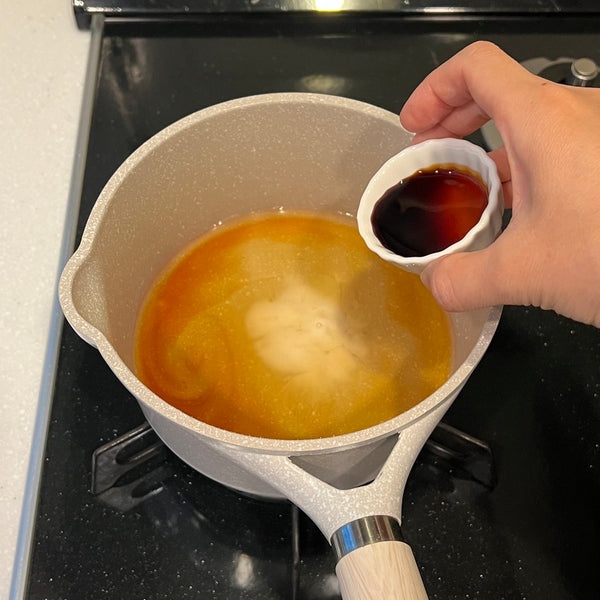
[297, 152]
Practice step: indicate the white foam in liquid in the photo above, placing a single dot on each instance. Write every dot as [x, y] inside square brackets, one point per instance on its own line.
[301, 332]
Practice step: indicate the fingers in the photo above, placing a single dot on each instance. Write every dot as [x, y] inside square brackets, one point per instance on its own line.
[507, 194]
[470, 280]
[460, 282]
[461, 95]
[500, 157]
[467, 117]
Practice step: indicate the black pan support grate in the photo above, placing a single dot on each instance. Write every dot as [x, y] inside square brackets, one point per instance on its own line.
[136, 467]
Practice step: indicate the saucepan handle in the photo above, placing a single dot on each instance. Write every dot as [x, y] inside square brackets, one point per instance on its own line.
[375, 563]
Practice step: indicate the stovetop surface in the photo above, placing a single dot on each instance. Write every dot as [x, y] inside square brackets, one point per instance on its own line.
[535, 398]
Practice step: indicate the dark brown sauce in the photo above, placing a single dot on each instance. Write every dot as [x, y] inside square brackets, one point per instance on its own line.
[430, 210]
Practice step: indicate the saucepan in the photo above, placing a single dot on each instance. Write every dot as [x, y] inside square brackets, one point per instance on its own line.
[306, 152]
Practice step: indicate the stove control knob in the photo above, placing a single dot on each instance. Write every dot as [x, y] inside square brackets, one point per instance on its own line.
[583, 72]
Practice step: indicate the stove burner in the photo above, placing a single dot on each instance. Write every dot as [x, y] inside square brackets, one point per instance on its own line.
[135, 466]
[136, 473]
[578, 72]
[584, 72]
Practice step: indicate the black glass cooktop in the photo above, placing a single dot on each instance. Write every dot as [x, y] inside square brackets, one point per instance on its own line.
[165, 531]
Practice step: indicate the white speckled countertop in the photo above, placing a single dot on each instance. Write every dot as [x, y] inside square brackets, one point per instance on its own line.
[42, 66]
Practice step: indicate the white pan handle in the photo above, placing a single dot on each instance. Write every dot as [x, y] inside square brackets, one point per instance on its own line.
[375, 562]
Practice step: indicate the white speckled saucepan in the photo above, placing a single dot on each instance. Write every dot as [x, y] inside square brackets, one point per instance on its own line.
[299, 152]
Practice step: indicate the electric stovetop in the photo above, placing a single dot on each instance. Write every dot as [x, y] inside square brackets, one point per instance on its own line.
[512, 512]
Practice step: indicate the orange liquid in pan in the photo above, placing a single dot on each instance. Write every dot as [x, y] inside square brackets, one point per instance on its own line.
[286, 326]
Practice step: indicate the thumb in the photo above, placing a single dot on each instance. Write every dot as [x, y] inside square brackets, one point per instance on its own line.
[463, 281]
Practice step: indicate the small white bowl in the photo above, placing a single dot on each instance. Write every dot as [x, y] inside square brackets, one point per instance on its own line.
[421, 156]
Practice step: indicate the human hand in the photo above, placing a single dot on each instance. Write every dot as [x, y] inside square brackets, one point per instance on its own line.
[549, 254]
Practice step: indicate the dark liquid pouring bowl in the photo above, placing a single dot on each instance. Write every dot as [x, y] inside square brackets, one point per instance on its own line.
[446, 154]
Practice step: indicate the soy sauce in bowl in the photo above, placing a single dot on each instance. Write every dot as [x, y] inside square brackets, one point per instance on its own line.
[430, 210]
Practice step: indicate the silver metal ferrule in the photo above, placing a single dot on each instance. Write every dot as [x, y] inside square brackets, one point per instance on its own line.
[365, 531]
